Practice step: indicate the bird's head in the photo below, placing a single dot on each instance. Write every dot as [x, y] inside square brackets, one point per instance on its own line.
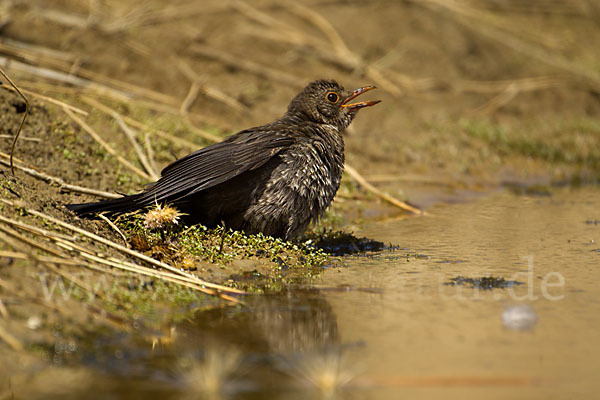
[326, 102]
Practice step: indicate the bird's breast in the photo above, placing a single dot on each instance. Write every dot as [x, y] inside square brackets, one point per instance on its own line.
[314, 170]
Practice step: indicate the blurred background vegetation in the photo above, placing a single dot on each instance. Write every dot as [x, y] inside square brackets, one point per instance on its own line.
[477, 93]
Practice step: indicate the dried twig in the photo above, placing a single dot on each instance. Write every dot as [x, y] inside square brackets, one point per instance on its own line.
[26, 112]
[392, 200]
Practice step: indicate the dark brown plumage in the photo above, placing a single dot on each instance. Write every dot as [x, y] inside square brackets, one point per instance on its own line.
[273, 179]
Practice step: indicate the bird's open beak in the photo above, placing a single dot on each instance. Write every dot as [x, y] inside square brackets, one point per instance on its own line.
[356, 93]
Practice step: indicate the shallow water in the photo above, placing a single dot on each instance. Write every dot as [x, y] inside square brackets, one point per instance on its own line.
[389, 326]
[420, 332]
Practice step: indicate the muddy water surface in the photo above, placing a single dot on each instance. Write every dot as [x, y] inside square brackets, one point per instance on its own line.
[388, 325]
[423, 334]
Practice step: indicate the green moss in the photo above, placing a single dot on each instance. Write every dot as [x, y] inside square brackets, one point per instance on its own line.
[67, 154]
[279, 261]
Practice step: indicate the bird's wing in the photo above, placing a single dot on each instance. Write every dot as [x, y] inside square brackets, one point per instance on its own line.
[218, 163]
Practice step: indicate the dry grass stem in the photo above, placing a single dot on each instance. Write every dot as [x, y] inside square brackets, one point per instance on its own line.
[561, 7]
[334, 50]
[59, 17]
[34, 56]
[183, 275]
[174, 13]
[139, 16]
[25, 139]
[334, 38]
[126, 87]
[131, 136]
[210, 91]
[525, 84]
[241, 63]
[386, 84]
[92, 81]
[185, 280]
[392, 200]
[115, 228]
[342, 51]
[31, 229]
[26, 112]
[9, 339]
[199, 131]
[498, 101]
[12, 254]
[53, 100]
[105, 145]
[218, 95]
[139, 125]
[475, 11]
[511, 90]
[471, 20]
[58, 261]
[56, 102]
[106, 22]
[57, 181]
[190, 98]
[3, 310]
[38, 55]
[62, 77]
[150, 151]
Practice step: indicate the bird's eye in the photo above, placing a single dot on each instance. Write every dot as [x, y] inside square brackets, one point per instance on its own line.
[332, 97]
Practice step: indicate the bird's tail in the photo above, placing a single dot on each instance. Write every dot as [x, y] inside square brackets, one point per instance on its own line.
[113, 206]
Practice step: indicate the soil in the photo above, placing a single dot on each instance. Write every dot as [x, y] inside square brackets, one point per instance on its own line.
[469, 105]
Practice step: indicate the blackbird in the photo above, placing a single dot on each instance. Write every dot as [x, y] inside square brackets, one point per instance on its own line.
[273, 179]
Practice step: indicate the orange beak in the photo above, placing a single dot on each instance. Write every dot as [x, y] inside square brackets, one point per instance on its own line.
[356, 93]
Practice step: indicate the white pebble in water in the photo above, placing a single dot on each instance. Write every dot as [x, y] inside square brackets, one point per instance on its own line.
[34, 322]
[519, 318]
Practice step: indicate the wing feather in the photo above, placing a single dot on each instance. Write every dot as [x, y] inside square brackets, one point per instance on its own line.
[217, 163]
